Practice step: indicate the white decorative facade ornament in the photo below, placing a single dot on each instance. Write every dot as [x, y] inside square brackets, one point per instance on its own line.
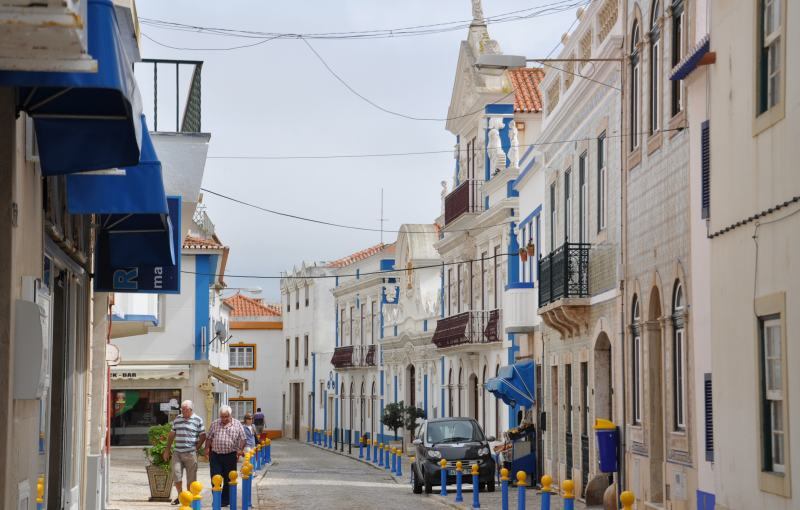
[477, 11]
[513, 151]
[495, 148]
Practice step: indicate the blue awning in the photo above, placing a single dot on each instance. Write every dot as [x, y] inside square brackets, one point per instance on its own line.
[514, 384]
[85, 121]
[139, 252]
[138, 189]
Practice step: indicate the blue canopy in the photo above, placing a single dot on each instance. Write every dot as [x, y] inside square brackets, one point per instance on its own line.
[139, 252]
[85, 121]
[514, 384]
[138, 189]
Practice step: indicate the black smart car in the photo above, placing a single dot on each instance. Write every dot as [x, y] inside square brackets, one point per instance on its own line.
[452, 439]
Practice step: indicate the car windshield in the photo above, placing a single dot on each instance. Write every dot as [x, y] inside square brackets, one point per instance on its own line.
[453, 432]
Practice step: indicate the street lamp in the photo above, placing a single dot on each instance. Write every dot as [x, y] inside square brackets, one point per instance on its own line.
[518, 61]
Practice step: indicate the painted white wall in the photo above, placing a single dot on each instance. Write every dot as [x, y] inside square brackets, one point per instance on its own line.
[265, 384]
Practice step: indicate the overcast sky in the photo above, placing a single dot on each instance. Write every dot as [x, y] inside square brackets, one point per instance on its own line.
[277, 99]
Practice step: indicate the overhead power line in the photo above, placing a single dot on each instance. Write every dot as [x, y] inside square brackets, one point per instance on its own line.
[390, 273]
[408, 31]
[419, 153]
[332, 224]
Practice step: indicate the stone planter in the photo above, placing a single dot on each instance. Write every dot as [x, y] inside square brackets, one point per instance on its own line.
[160, 480]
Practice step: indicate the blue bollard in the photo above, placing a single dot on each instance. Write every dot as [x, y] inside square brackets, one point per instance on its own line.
[216, 492]
[308, 436]
[521, 478]
[394, 460]
[361, 448]
[400, 464]
[268, 453]
[476, 486]
[375, 451]
[459, 475]
[379, 455]
[443, 464]
[504, 489]
[233, 487]
[547, 481]
[386, 463]
[569, 497]
[369, 449]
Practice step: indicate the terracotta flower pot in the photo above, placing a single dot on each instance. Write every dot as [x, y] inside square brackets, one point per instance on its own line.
[523, 255]
[531, 249]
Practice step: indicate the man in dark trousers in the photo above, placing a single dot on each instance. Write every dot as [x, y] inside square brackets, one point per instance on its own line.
[258, 421]
[225, 441]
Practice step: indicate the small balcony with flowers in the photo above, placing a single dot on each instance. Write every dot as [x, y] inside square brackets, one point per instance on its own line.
[564, 298]
[352, 357]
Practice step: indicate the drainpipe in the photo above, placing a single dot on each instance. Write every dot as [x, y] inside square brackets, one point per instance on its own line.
[623, 255]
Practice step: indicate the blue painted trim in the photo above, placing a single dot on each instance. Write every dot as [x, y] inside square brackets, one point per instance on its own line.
[458, 159]
[136, 318]
[387, 264]
[325, 410]
[524, 172]
[706, 500]
[690, 62]
[337, 281]
[395, 389]
[441, 293]
[529, 218]
[425, 394]
[313, 391]
[380, 312]
[527, 152]
[486, 155]
[519, 285]
[486, 202]
[510, 191]
[336, 404]
[205, 268]
[512, 411]
[505, 141]
[499, 108]
[383, 434]
[513, 261]
[538, 247]
[425, 325]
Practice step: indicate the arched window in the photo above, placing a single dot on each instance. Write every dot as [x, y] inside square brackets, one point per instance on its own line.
[678, 46]
[679, 358]
[460, 388]
[655, 68]
[635, 87]
[450, 392]
[636, 362]
[483, 397]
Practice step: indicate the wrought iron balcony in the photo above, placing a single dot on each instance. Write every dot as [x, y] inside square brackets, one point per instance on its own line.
[466, 198]
[186, 75]
[564, 287]
[353, 356]
[468, 329]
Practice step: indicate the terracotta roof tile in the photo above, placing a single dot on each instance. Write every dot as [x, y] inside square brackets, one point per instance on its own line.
[191, 242]
[361, 255]
[527, 96]
[243, 306]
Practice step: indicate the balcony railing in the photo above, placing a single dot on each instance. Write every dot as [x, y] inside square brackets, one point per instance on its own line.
[564, 273]
[353, 356]
[475, 327]
[187, 74]
[466, 198]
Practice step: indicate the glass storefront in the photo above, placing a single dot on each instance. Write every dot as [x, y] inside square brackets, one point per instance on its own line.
[135, 411]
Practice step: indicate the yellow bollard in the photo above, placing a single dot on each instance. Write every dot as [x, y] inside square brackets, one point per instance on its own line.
[185, 498]
[233, 478]
[246, 470]
[216, 483]
[627, 499]
[40, 490]
[196, 488]
[547, 482]
[504, 474]
[568, 486]
[522, 478]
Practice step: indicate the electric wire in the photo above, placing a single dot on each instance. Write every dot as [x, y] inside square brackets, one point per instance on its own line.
[388, 272]
[421, 153]
[337, 225]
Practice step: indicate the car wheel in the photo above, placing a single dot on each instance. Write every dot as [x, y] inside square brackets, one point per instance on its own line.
[490, 486]
[482, 487]
[428, 486]
[415, 483]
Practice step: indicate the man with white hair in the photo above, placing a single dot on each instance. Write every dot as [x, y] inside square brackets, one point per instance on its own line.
[225, 442]
[188, 434]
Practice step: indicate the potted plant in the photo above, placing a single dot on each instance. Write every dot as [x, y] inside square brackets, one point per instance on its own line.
[523, 255]
[159, 474]
[531, 249]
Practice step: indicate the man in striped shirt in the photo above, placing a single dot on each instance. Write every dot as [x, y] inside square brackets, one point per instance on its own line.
[188, 434]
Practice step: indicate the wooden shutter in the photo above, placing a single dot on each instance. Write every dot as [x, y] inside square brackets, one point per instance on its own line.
[709, 421]
[705, 152]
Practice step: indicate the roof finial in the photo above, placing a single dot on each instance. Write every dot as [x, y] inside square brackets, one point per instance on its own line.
[477, 12]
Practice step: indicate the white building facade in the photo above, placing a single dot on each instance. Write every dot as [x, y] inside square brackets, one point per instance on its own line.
[308, 343]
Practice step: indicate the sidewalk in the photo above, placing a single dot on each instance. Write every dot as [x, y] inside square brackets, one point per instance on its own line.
[489, 500]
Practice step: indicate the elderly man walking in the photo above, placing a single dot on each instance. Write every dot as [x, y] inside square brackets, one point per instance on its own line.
[225, 442]
[188, 436]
